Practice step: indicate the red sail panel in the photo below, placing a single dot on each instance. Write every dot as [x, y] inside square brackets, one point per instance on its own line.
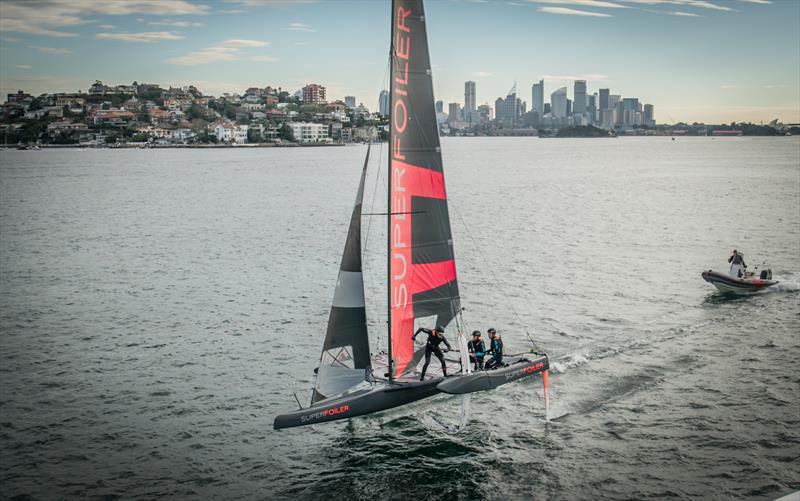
[422, 278]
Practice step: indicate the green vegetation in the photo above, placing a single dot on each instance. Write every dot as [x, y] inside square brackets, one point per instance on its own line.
[583, 131]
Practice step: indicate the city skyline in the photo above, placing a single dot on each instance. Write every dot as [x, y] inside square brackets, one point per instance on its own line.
[686, 56]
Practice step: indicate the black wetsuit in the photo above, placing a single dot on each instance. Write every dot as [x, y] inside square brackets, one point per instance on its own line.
[496, 349]
[477, 350]
[737, 259]
[432, 346]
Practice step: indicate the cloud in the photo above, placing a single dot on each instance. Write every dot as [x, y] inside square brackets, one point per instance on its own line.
[177, 24]
[229, 50]
[9, 39]
[206, 56]
[571, 12]
[243, 43]
[683, 14]
[142, 37]
[700, 4]
[728, 86]
[270, 3]
[51, 50]
[47, 17]
[23, 66]
[481, 73]
[762, 2]
[591, 76]
[106, 26]
[230, 11]
[584, 3]
[300, 27]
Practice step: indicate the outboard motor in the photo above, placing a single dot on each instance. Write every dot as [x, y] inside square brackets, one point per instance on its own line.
[766, 274]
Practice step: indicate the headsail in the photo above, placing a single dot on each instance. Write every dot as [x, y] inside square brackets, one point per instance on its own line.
[422, 271]
[345, 353]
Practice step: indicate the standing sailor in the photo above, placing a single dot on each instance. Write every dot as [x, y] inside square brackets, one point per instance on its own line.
[737, 264]
[477, 350]
[435, 338]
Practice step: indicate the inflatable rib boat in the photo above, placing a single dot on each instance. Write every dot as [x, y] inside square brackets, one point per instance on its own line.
[748, 284]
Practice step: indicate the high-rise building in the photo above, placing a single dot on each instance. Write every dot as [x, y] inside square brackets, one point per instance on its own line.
[313, 94]
[469, 97]
[591, 108]
[453, 112]
[603, 104]
[383, 103]
[630, 106]
[547, 108]
[648, 118]
[485, 112]
[350, 101]
[579, 106]
[538, 97]
[558, 103]
[439, 107]
[508, 110]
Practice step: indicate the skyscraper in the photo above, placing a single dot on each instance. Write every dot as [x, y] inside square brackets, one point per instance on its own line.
[603, 104]
[350, 101]
[469, 98]
[453, 112]
[579, 104]
[591, 108]
[439, 107]
[383, 103]
[538, 97]
[558, 103]
[507, 110]
[630, 105]
[648, 118]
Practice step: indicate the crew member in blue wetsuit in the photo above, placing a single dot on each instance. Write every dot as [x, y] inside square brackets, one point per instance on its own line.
[435, 338]
[495, 349]
[477, 350]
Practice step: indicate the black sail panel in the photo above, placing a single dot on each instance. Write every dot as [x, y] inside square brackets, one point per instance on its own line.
[345, 352]
[420, 244]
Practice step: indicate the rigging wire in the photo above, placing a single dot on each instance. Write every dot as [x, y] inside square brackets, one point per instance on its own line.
[378, 179]
[497, 283]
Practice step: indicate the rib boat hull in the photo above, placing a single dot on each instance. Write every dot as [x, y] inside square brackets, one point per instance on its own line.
[734, 285]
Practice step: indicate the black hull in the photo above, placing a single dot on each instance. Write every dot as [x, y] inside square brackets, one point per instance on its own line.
[359, 403]
[518, 368]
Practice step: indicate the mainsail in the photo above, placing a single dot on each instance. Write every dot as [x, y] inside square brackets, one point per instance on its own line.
[422, 271]
[345, 353]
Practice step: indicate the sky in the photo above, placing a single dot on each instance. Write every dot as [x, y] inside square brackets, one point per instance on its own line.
[712, 61]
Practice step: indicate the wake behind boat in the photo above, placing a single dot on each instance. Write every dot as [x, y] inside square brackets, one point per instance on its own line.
[422, 286]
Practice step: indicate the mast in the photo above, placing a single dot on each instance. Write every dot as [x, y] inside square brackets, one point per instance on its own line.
[389, 203]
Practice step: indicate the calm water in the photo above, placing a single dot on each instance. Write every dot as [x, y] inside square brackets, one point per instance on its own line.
[159, 308]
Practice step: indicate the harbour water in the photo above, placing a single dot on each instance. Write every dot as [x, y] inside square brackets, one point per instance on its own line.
[158, 308]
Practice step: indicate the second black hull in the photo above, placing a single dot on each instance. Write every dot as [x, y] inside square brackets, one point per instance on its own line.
[359, 403]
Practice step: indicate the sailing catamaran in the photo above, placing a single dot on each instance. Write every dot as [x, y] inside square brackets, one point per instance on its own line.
[422, 286]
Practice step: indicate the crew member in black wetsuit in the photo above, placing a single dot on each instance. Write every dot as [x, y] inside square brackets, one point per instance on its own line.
[435, 338]
[477, 350]
[737, 264]
[496, 350]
